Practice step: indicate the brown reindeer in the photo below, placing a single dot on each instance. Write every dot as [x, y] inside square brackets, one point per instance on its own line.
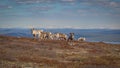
[71, 37]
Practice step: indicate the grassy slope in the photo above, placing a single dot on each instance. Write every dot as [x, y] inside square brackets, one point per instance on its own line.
[26, 52]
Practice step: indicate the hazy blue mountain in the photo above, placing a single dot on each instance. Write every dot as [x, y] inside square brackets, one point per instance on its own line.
[105, 35]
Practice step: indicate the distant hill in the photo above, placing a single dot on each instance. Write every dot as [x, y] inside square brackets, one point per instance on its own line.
[105, 35]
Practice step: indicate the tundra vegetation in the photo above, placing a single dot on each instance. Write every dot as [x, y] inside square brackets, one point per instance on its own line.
[21, 52]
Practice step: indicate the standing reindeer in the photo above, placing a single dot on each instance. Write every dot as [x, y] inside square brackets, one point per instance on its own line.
[71, 37]
[36, 33]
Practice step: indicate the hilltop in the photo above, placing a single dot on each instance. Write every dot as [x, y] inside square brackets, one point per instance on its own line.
[22, 52]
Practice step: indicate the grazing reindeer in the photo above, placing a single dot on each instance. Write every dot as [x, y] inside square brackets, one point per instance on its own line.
[45, 35]
[48, 34]
[71, 37]
[62, 36]
[58, 36]
[36, 33]
[54, 36]
[81, 39]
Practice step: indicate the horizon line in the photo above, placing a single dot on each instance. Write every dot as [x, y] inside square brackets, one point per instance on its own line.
[55, 28]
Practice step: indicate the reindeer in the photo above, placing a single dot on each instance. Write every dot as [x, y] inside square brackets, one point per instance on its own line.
[36, 33]
[58, 36]
[71, 37]
[62, 36]
[45, 35]
[81, 39]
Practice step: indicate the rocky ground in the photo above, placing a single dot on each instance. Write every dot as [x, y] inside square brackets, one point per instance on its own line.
[20, 52]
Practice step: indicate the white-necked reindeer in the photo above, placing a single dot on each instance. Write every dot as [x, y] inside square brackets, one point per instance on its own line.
[36, 33]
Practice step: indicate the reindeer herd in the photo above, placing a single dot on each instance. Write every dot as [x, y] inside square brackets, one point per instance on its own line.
[42, 35]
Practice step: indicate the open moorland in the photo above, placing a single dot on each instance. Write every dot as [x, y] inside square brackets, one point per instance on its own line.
[21, 52]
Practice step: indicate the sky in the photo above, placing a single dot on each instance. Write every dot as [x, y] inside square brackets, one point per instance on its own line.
[78, 14]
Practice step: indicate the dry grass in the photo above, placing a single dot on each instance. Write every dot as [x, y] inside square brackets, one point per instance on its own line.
[29, 53]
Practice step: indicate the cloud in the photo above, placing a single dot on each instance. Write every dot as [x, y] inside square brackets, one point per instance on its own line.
[68, 0]
[5, 7]
[102, 3]
[42, 8]
[106, 4]
[34, 1]
[27, 1]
